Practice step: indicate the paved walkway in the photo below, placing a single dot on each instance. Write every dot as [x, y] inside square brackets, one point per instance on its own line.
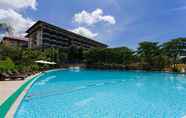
[9, 87]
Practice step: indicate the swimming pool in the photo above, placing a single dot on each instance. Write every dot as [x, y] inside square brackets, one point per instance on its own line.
[105, 94]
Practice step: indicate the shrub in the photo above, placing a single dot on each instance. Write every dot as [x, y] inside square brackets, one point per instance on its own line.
[6, 65]
[34, 67]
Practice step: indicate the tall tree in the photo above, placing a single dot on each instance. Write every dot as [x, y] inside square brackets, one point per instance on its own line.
[174, 49]
[109, 56]
[148, 53]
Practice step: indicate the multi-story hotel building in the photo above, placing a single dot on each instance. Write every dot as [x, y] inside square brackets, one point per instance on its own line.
[45, 35]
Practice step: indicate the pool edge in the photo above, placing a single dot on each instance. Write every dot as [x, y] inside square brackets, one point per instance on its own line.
[10, 105]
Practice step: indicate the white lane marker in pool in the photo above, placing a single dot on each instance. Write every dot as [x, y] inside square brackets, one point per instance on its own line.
[40, 83]
[123, 80]
[76, 71]
[90, 85]
[180, 87]
[139, 84]
[100, 84]
[43, 82]
[70, 90]
[113, 82]
[184, 116]
[84, 102]
[49, 78]
[56, 92]
[80, 87]
[171, 78]
[183, 81]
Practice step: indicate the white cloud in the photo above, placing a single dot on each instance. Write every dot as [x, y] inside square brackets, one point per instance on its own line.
[15, 21]
[94, 17]
[85, 32]
[12, 18]
[179, 8]
[18, 4]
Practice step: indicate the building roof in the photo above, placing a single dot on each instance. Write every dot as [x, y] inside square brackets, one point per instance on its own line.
[20, 39]
[67, 31]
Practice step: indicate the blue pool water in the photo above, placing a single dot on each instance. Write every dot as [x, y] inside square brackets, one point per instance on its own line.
[105, 94]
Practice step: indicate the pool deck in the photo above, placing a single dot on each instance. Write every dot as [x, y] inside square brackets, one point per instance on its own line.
[7, 88]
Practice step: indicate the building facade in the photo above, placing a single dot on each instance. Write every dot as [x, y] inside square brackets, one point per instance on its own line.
[45, 35]
[15, 42]
[180, 48]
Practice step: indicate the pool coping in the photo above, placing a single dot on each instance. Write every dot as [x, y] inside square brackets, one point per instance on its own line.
[9, 106]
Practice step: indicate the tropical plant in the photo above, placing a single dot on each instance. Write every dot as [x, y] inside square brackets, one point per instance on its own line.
[75, 54]
[149, 54]
[6, 65]
[109, 56]
[174, 49]
[13, 53]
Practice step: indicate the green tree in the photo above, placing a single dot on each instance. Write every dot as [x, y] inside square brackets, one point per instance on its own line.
[29, 56]
[94, 55]
[109, 56]
[124, 55]
[51, 54]
[14, 53]
[149, 53]
[62, 56]
[6, 65]
[174, 49]
[75, 54]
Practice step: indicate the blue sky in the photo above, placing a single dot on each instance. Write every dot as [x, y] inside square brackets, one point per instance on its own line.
[135, 20]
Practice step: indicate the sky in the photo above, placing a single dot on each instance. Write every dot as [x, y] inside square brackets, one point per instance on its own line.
[114, 22]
